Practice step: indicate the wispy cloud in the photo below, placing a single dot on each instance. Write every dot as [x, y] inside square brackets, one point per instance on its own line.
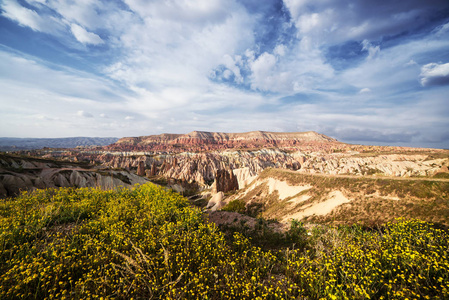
[358, 70]
[435, 74]
[84, 114]
[85, 37]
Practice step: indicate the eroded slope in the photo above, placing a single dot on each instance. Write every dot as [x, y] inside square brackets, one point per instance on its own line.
[285, 195]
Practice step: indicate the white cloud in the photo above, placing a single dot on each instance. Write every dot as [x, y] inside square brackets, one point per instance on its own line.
[233, 69]
[262, 72]
[411, 63]
[201, 12]
[392, 69]
[163, 53]
[29, 18]
[168, 59]
[373, 51]
[337, 21]
[84, 36]
[84, 114]
[435, 74]
[280, 50]
[29, 88]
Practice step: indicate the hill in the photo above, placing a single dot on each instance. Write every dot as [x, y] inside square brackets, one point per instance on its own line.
[343, 199]
[148, 243]
[204, 141]
[23, 173]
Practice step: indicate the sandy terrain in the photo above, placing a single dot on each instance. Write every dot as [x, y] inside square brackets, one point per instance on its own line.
[334, 199]
[285, 190]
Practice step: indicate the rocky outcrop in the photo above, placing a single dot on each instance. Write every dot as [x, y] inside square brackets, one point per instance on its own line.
[225, 181]
[244, 176]
[23, 174]
[195, 167]
[398, 165]
[202, 167]
[216, 202]
[197, 157]
[206, 141]
[141, 168]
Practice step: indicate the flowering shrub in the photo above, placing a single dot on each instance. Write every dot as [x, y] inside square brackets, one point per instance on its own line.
[148, 242]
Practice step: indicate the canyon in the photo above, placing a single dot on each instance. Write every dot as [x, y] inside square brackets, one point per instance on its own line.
[18, 174]
[198, 157]
[218, 168]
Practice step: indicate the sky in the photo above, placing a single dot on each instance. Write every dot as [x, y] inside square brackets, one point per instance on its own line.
[366, 72]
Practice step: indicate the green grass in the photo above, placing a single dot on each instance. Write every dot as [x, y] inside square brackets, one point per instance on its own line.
[422, 189]
[441, 175]
[149, 243]
[236, 205]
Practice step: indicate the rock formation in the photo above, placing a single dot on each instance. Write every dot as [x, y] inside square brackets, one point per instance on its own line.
[225, 181]
[216, 202]
[21, 174]
[197, 157]
[141, 168]
[206, 141]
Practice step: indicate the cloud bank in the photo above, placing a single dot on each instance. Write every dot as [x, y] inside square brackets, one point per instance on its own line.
[361, 71]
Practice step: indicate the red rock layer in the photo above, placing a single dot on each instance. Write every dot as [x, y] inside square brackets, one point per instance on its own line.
[206, 141]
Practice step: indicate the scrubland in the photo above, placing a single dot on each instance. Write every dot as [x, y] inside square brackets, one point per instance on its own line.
[150, 243]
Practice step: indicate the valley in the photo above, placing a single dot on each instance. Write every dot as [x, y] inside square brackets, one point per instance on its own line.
[227, 216]
[364, 183]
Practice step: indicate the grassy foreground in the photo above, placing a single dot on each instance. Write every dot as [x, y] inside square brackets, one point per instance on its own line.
[148, 243]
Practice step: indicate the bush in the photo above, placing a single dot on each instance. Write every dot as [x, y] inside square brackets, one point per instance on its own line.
[297, 234]
[236, 205]
[149, 243]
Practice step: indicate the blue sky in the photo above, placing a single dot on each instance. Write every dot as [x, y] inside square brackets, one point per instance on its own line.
[370, 72]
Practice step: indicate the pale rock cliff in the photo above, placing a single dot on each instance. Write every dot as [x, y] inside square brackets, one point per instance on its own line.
[21, 174]
[385, 165]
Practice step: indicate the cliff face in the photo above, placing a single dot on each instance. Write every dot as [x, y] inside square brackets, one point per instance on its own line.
[202, 168]
[198, 157]
[205, 141]
[23, 174]
[197, 167]
[225, 181]
[397, 165]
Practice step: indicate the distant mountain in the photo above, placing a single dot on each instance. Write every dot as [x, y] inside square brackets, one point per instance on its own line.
[11, 144]
[202, 140]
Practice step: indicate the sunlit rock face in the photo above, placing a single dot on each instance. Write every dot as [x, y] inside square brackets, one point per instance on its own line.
[206, 141]
[19, 174]
[199, 157]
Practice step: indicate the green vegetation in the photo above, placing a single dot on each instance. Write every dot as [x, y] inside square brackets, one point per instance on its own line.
[374, 201]
[148, 242]
[236, 205]
[441, 175]
[374, 212]
[420, 189]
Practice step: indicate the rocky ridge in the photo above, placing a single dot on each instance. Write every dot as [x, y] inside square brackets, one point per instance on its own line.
[397, 165]
[285, 195]
[207, 141]
[191, 158]
[23, 174]
[202, 167]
